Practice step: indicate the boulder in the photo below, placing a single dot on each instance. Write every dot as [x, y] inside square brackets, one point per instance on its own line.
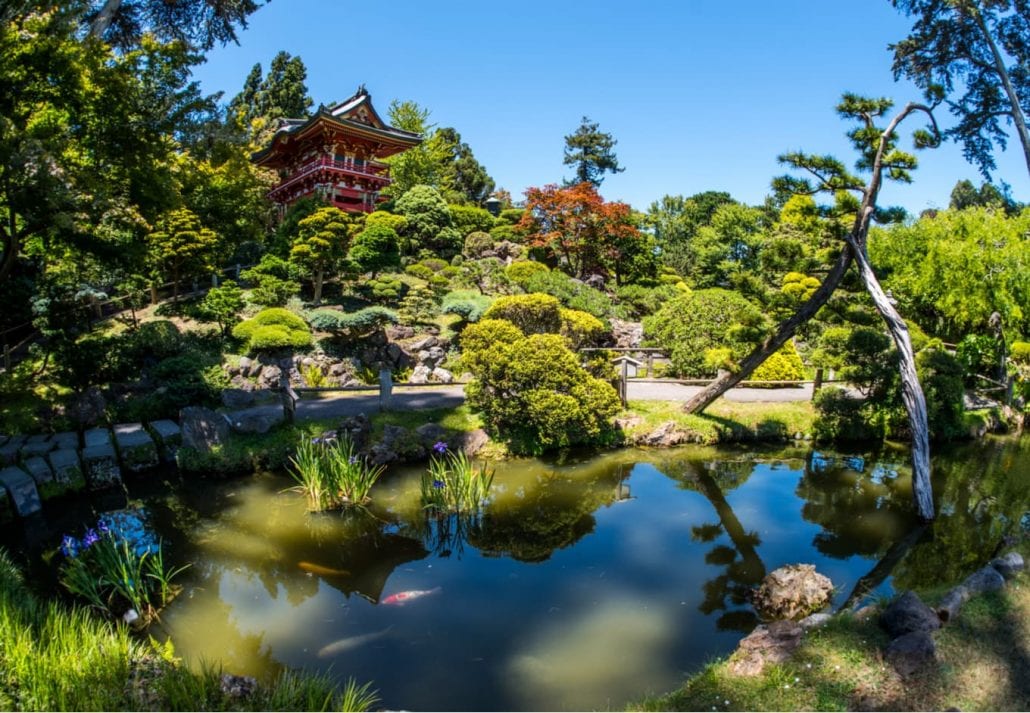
[792, 592]
[356, 428]
[238, 687]
[627, 335]
[423, 344]
[911, 652]
[269, 376]
[668, 434]
[908, 614]
[399, 331]
[419, 375]
[100, 466]
[243, 367]
[260, 419]
[254, 369]
[431, 434]
[441, 375]
[595, 281]
[1008, 565]
[432, 357]
[814, 621]
[397, 444]
[237, 398]
[771, 643]
[22, 490]
[202, 428]
[88, 409]
[471, 442]
[394, 352]
[136, 448]
[168, 437]
[67, 469]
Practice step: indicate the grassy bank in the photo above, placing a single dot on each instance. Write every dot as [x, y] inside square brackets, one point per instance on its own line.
[724, 421]
[983, 665]
[53, 657]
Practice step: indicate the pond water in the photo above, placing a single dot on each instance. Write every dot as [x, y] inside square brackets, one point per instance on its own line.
[586, 583]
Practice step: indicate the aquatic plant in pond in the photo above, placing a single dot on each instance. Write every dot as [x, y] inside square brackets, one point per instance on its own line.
[331, 473]
[114, 572]
[452, 483]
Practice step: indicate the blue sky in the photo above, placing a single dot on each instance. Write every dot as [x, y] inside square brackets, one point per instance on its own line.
[700, 94]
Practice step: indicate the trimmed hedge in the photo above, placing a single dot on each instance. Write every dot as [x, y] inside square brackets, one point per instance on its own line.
[274, 328]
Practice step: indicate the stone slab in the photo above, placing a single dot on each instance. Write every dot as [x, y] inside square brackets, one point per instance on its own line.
[97, 437]
[168, 436]
[40, 471]
[66, 440]
[100, 465]
[37, 445]
[22, 490]
[135, 446]
[9, 451]
[67, 468]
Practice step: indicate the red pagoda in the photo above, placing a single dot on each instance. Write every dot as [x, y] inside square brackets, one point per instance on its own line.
[334, 155]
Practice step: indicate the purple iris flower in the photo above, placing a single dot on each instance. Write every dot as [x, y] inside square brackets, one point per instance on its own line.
[440, 447]
[91, 538]
[69, 546]
[353, 460]
[438, 484]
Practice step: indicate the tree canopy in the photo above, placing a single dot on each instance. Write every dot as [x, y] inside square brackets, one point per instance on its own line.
[592, 153]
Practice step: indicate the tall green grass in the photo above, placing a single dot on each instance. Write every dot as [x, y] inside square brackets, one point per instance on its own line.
[57, 658]
[452, 484]
[331, 474]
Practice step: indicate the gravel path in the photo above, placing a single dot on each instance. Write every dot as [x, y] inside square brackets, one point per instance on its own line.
[342, 405]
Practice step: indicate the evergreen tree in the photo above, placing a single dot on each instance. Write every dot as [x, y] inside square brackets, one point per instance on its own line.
[464, 179]
[980, 48]
[201, 23]
[590, 150]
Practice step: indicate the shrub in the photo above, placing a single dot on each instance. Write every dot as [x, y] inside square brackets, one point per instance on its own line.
[376, 248]
[580, 328]
[434, 263]
[223, 304]
[639, 301]
[450, 272]
[1020, 352]
[940, 375]
[273, 328]
[572, 293]
[783, 365]
[157, 339]
[690, 325]
[418, 307]
[477, 243]
[520, 272]
[467, 304]
[419, 270]
[387, 288]
[978, 354]
[532, 314]
[841, 417]
[468, 218]
[360, 322]
[478, 339]
[270, 291]
[533, 393]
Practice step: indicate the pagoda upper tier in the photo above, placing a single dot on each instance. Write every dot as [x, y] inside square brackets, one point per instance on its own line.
[334, 155]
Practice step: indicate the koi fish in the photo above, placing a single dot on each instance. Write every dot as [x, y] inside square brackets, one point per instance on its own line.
[319, 569]
[402, 598]
[351, 642]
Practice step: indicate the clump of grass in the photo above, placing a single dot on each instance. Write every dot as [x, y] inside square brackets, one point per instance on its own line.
[331, 473]
[313, 376]
[113, 575]
[452, 484]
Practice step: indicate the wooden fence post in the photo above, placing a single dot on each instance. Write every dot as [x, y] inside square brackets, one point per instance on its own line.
[817, 382]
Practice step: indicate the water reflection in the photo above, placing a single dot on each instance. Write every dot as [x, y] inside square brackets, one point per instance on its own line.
[583, 583]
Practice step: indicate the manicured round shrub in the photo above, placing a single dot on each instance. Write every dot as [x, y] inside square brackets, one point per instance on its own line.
[533, 314]
[468, 304]
[386, 288]
[783, 365]
[158, 339]
[274, 328]
[638, 301]
[574, 294]
[477, 243]
[477, 341]
[434, 263]
[534, 395]
[1020, 352]
[520, 272]
[362, 321]
[581, 328]
[419, 270]
[690, 325]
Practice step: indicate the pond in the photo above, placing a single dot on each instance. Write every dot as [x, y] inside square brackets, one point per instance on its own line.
[586, 584]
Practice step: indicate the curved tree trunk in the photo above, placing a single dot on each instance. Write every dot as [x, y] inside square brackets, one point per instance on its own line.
[911, 391]
[784, 331]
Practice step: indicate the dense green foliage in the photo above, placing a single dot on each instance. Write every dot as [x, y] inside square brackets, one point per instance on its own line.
[362, 321]
[532, 314]
[469, 305]
[273, 328]
[572, 293]
[784, 365]
[591, 152]
[702, 320]
[533, 393]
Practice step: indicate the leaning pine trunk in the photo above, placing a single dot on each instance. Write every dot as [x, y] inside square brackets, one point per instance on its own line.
[727, 380]
[319, 275]
[911, 391]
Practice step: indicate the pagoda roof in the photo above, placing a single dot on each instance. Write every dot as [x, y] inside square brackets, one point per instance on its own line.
[354, 115]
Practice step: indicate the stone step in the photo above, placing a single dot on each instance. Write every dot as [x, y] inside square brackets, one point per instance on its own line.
[136, 448]
[22, 490]
[168, 436]
[38, 445]
[65, 440]
[100, 465]
[97, 437]
[67, 469]
[9, 451]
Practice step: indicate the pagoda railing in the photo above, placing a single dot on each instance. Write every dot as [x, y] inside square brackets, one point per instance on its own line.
[369, 169]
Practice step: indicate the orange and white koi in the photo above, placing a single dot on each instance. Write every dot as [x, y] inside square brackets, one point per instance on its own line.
[402, 598]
